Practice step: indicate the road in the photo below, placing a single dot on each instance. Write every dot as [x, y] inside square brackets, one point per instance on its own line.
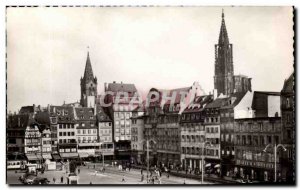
[111, 176]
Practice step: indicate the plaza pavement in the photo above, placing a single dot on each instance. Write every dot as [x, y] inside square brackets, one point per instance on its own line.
[112, 175]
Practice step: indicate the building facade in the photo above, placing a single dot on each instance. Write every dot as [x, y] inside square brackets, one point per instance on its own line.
[254, 131]
[137, 136]
[123, 99]
[288, 130]
[66, 132]
[193, 134]
[227, 133]
[86, 132]
[105, 134]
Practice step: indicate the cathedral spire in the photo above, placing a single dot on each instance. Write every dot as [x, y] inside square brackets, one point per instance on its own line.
[88, 71]
[223, 37]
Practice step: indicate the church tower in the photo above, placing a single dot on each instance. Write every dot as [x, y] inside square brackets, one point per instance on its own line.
[88, 85]
[224, 74]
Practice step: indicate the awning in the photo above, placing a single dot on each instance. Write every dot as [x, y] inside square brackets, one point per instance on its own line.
[47, 156]
[208, 165]
[39, 156]
[56, 157]
[217, 166]
[69, 154]
[31, 157]
[83, 154]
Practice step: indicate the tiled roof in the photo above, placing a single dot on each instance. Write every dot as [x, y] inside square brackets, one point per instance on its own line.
[121, 87]
[169, 93]
[43, 118]
[19, 121]
[199, 103]
[102, 115]
[65, 114]
[217, 103]
[85, 113]
[288, 85]
[236, 97]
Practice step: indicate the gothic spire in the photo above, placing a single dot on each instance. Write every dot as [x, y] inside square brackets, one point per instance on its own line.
[223, 37]
[88, 71]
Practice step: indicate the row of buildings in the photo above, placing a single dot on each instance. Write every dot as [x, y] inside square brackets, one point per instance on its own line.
[228, 129]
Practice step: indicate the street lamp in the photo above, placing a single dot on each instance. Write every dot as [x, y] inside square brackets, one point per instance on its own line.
[101, 143]
[202, 159]
[276, 146]
[147, 143]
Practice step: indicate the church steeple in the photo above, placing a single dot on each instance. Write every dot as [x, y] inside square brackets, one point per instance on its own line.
[224, 82]
[88, 85]
[223, 37]
[88, 71]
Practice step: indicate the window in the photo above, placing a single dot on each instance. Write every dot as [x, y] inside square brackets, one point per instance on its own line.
[78, 131]
[262, 140]
[64, 133]
[60, 126]
[69, 134]
[60, 133]
[84, 131]
[260, 126]
[269, 139]
[287, 102]
[72, 133]
[94, 131]
[89, 131]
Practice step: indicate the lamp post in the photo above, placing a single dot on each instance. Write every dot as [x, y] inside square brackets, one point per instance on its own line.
[147, 144]
[202, 159]
[102, 153]
[276, 146]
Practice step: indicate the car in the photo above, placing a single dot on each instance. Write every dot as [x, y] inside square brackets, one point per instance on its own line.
[40, 181]
[29, 179]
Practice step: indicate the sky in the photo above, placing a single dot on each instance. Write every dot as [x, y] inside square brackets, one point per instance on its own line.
[161, 47]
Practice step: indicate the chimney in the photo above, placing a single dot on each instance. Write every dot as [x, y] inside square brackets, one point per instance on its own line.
[48, 107]
[33, 107]
[19, 122]
[114, 82]
[215, 93]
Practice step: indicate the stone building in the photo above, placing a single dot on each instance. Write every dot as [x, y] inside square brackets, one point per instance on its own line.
[105, 134]
[193, 134]
[212, 134]
[15, 139]
[162, 123]
[86, 131]
[137, 135]
[66, 132]
[257, 124]
[224, 80]
[227, 133]
[122, 100]
[288, 130]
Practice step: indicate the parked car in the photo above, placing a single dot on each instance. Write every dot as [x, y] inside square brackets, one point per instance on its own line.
[29, 179]
[40, 181]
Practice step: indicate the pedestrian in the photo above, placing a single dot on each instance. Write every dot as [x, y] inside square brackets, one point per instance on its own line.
[141, 171]
[123, 178]
[62, 179]
[90, 183]
[142, 178]
[78, 170]
[94, 166]
[168, 175]
[54, 180]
